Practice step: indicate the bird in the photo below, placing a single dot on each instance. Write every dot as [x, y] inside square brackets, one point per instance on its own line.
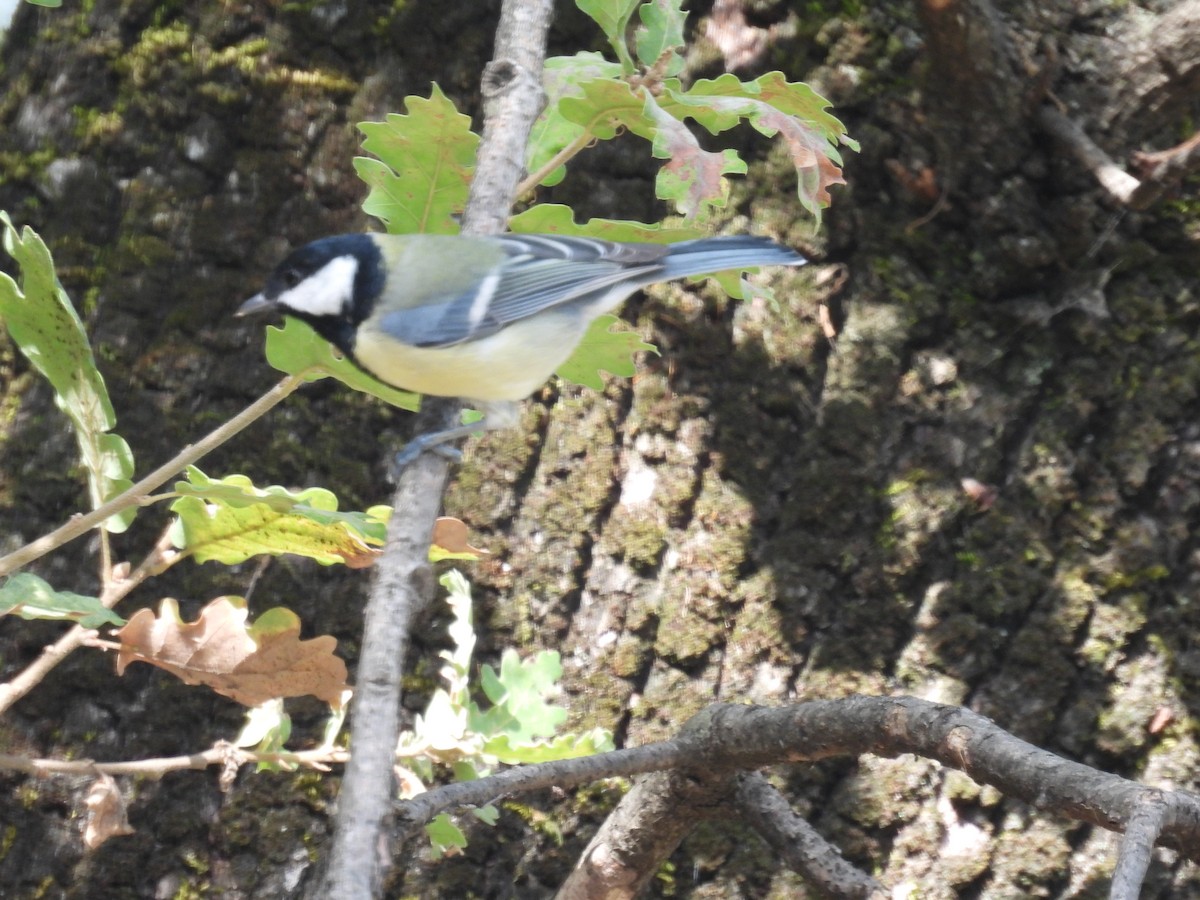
[486, 319]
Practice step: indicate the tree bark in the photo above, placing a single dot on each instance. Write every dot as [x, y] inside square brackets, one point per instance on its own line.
[972, 479]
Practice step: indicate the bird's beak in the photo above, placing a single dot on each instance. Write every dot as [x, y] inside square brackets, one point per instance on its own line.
[256, 304]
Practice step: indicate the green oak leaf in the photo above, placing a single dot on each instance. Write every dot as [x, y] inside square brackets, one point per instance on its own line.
[518, 693]
[603, 107]
[553, 132]
[46, 328]
[564, 746]
[605, 348]
[553, 218]
[426, 159]
[444, 836]
[660, 34]
[298, 350]
[613, 18]
[28, 596]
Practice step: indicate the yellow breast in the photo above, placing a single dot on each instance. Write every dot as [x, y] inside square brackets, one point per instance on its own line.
[508, 365]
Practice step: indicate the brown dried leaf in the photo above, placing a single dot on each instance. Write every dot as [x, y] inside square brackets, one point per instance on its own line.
[450, 540]
[106, 815]
[363, 559]
[248, 664]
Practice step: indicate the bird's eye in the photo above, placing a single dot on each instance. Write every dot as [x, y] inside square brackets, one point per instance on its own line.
[291, 278]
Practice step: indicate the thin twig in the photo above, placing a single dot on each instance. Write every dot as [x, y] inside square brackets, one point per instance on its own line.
[1168, 167]
[560, 158]
[220, 754]
[157, 561]
[135, 495]
[412, 814]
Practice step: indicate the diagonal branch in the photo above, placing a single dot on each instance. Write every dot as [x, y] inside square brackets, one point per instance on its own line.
[138, 493]
[157, 561]
[659, 811]
[563, 773]
[1142, 829]
[799, 845]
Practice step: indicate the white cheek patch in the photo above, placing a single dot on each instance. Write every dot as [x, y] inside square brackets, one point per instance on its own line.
[326, 292]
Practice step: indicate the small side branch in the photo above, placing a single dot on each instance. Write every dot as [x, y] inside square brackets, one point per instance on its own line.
[157, 561]
[1159, 171]
[1171, 166]
[658, 812]
[565, 773]
[1141, 834]
[221, 754]
[764, 809]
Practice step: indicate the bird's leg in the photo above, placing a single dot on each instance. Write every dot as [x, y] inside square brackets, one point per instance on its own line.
[496, 416]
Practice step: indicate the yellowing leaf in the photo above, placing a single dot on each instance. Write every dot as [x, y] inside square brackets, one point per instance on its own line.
[773, 106]
[248, 664]
[692, 177]
[231, 520]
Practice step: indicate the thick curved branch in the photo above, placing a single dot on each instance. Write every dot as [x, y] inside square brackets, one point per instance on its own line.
[892, 726]
[716, 746]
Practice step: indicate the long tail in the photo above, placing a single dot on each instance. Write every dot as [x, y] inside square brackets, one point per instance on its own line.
[716, 254]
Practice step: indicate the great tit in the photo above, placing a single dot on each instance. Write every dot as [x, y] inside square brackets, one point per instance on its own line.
[487, 319]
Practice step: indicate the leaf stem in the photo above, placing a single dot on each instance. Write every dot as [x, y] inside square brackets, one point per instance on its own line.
[81, 524]
[572, 149]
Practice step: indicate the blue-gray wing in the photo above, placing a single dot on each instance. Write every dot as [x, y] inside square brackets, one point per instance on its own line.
[538, 272]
